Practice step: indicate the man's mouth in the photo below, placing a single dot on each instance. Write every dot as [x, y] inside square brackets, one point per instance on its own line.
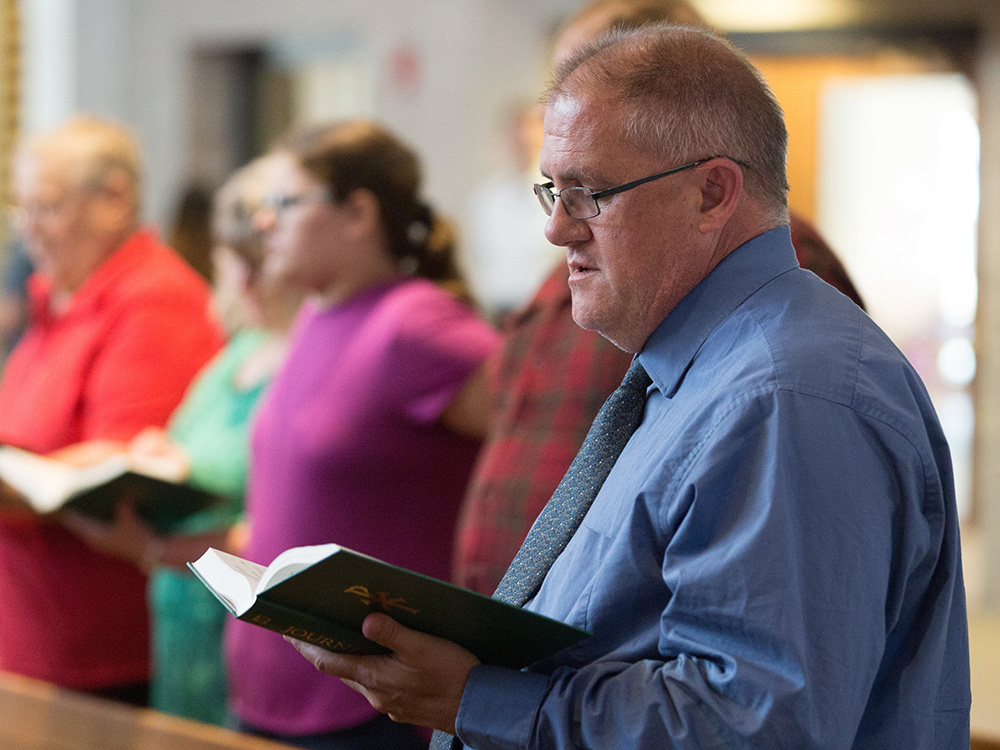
[579, 269]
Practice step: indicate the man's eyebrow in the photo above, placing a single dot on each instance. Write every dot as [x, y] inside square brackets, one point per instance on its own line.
[582, 177]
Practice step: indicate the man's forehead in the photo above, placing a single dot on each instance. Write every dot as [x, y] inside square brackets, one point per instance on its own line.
[584, 139]
[571, 123]
[564, 106]
[52, 166]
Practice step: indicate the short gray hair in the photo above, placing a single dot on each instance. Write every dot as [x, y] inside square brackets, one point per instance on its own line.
[688, 94]
[95, 147]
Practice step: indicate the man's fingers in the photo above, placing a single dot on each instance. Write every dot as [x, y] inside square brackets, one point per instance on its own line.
[357, 672]
[353, 685]
[409, 644]
[338, 665]
[420, 682]
[385, 631]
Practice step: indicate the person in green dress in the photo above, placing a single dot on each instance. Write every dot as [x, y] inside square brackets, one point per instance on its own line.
[206, 440]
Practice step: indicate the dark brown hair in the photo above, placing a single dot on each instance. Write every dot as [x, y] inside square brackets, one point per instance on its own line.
[362, 155]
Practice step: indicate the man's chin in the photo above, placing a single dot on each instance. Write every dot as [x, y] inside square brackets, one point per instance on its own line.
[584, 316]
[590, 320]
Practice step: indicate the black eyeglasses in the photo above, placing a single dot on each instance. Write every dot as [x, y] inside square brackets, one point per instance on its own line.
[581, 202]
[278, 203]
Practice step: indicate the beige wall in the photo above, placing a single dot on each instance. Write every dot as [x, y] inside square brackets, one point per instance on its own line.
[9, 48]
[987, 384]
[797, 82]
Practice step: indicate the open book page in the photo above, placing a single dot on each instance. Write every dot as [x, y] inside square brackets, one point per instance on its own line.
[165, 467]
[291, 561]
[48, 483]
[236, 581]
[99, 472]
[233, 579]
[45, 482]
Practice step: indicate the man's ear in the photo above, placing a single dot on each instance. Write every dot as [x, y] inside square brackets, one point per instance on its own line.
[117, 200]
[720, 194]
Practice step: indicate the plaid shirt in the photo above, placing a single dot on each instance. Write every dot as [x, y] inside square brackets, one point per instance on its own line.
[547, 384]
[816, 256]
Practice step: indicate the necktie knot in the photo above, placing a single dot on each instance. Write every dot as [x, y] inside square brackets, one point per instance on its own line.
[636, 378]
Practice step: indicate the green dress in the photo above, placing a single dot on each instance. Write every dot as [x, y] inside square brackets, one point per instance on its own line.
[212, 423]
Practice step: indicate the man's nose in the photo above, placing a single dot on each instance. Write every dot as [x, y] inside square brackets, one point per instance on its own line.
[563, 229]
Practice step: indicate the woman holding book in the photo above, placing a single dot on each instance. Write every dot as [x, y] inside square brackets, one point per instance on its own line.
[369, 431]
[206, 441]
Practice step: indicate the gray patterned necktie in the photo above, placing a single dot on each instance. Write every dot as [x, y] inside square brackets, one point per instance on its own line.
[561, 516]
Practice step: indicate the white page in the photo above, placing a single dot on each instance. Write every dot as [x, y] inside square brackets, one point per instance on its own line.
[231, 577]
[291, 561]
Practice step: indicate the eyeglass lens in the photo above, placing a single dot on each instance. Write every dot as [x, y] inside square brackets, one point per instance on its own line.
[546, 197]
[578, 202]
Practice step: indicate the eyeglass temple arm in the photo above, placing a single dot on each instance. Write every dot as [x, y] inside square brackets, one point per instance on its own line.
[636, 183]
[644, 180]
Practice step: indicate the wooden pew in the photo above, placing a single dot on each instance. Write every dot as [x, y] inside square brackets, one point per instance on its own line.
[38, 716]
[985, 741]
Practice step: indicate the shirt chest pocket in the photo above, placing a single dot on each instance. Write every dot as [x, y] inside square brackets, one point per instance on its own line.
[611, 509]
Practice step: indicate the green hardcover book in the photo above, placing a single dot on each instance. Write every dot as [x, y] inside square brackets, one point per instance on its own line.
[49, 486]
[322, 594]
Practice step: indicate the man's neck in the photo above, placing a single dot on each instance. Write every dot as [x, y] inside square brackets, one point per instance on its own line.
[741, 229]
[67, 284]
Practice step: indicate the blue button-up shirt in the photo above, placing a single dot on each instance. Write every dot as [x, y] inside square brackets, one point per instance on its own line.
[774, 560]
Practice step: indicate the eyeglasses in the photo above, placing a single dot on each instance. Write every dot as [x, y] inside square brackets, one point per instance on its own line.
[581, 202]
[279, 203]
[41, 212]
[51, 207]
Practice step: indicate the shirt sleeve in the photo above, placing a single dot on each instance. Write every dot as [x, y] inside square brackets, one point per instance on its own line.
[795, 539]
[437, 345]
[153, 351]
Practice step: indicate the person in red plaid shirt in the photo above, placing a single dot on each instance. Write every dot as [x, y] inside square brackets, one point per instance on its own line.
[550, 377]
[546, 384]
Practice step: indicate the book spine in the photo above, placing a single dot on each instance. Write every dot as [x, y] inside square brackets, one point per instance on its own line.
[308, 628]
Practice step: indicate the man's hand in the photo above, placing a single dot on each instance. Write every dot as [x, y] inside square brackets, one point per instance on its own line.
[420, 682]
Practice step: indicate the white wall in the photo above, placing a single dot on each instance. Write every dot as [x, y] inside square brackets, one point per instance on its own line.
[131, 59]
[987, 385]
[48, 40]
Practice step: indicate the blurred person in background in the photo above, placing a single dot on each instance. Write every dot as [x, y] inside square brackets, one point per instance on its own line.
[507, 254]
[118, 326]
[369, 430]
[549, 379]
[190, 232]
[207, 443]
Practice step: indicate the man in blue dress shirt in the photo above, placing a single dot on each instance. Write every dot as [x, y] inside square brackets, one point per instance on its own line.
[773, 561]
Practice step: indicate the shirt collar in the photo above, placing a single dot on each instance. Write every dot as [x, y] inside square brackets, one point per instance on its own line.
[672, 346]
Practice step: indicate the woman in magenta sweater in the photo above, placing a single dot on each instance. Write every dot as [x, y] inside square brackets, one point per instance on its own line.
[368, 433]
